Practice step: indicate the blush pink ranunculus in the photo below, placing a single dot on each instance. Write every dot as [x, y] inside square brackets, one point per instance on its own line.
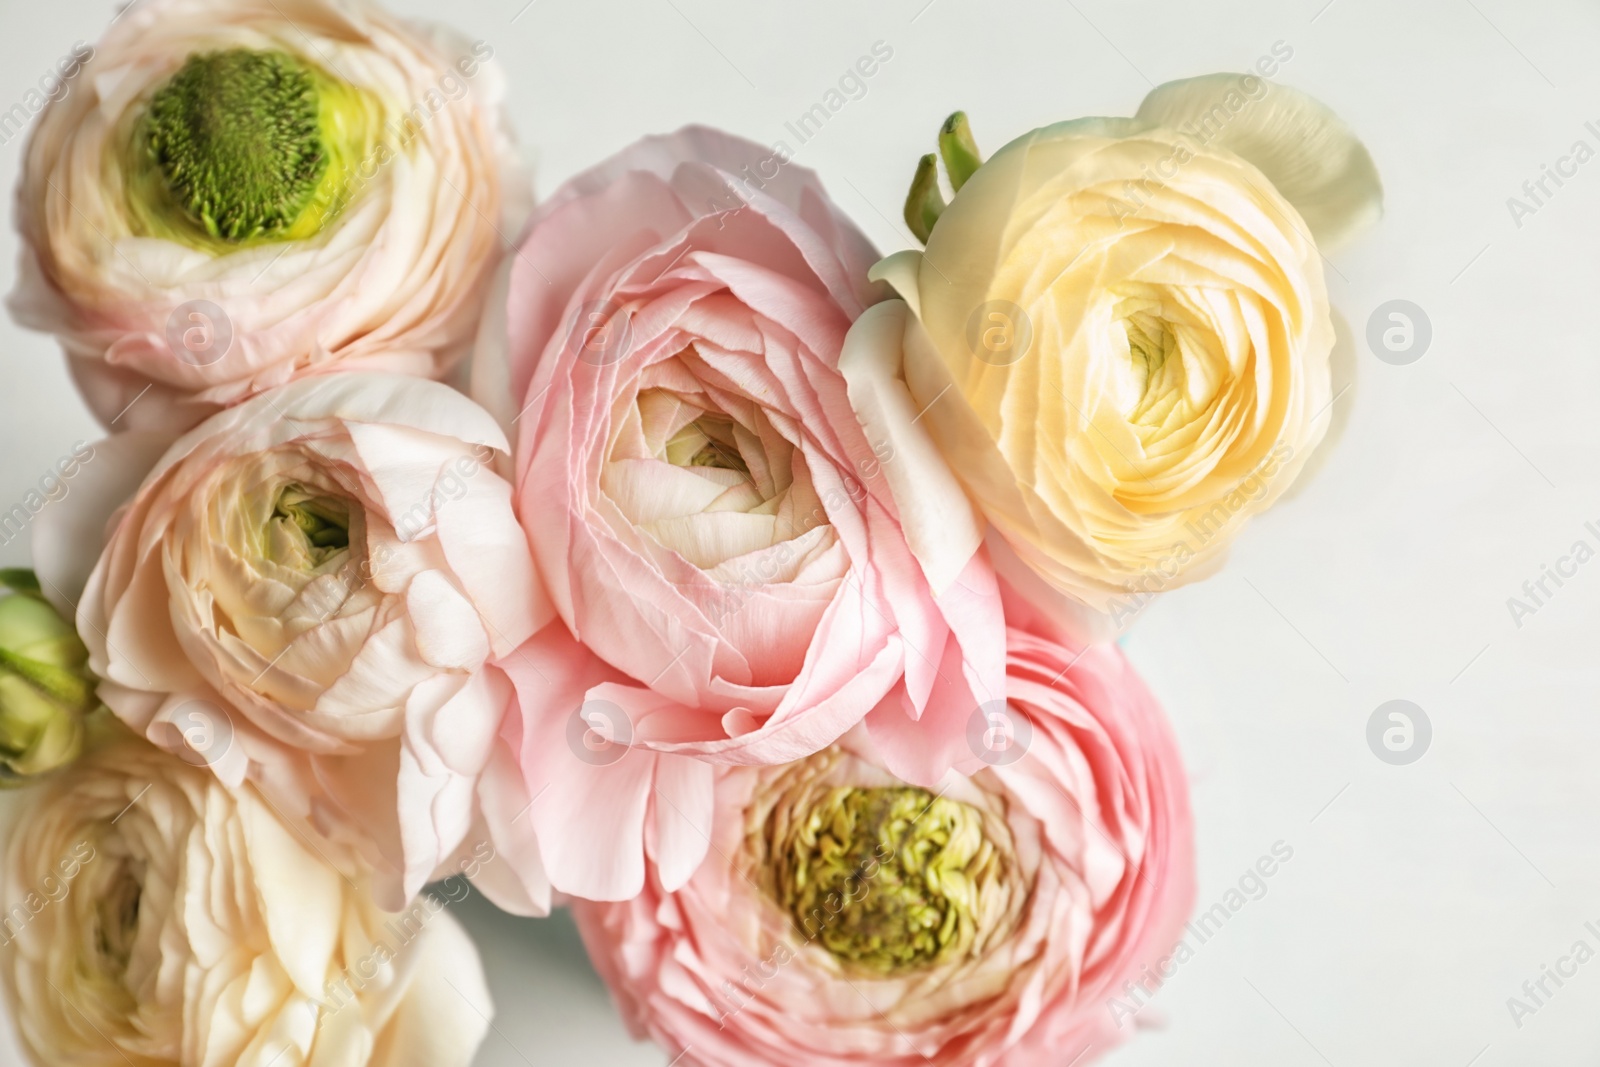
[710, 519]
[230, 194]
[845, 918]
[303, 592]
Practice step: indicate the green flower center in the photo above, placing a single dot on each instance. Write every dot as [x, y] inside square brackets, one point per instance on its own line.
[117, 919]
[236, 135]
[886, 879]
[307, 529]
[244, 146]
[708, 441]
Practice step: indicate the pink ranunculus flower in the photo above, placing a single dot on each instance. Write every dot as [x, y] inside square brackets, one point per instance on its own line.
[711, 521]
[229, 194]
[844, 917]
[303, 592]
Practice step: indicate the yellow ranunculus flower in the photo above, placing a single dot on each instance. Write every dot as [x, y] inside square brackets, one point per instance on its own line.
[1118, 335]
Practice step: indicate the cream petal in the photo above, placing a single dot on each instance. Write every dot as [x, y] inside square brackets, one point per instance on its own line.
[299, 896]
[446, 1009]
[942, 527]
[1311, 155]
[649, 490]
[450, 728]
[449, 635]
[901, 270]
[489, 556]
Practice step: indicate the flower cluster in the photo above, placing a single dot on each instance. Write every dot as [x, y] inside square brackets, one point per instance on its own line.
[747, 589]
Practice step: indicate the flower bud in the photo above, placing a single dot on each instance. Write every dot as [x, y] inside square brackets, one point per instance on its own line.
[925, 203]
[959, 151]
[45, 686]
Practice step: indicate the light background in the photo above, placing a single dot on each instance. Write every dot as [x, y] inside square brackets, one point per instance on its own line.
[1419, 898]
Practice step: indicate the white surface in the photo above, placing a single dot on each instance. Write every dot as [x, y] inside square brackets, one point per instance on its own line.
[1419, 898]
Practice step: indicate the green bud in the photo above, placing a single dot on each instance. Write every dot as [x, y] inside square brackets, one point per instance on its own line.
[960, 151]
[46, 689]
[925, 203]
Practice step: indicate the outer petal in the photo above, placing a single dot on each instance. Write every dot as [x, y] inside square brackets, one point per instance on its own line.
[69, 534]
[1308, 152]
[446, 1011]
[942, 527]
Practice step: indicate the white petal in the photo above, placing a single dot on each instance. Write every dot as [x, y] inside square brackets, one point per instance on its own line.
[940, 523]
[449, 635]
[69, 534]
[300, 896]
[901, 270]
[447, 1007]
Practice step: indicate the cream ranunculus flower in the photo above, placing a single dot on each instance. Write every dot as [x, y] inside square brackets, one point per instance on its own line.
[158, 918]
[1118, 335]
[303, 592]
[239, 192]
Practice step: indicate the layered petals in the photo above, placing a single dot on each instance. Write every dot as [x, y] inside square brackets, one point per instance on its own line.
[1118, 339]
[712, 524]
[845, 917]
[374, 253]
[173, 921]
[304, 591]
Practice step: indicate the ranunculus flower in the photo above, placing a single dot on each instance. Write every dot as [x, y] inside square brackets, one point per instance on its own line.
[157, 918]
[235, 193]
[845, 917]
[1118, 334]
[303, 592]
[45, 685]
[707, 513]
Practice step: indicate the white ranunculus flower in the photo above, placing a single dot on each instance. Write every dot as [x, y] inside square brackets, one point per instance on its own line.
[1118, 336]
[239, 192]
[158, 918]
[303, 592]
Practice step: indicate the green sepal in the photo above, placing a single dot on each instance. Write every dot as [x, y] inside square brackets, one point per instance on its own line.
[20, 580]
